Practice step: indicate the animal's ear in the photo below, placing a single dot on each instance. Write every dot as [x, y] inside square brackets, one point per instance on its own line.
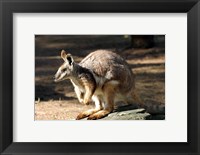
[70, 59]
[67, 57]
[63, 55]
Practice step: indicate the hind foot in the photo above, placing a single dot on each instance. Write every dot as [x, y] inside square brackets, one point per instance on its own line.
[86, 113]
[99, 115]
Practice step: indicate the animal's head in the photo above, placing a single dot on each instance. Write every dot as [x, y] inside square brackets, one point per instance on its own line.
[65, 70]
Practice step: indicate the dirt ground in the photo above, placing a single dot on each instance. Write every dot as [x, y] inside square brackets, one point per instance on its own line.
[57, 101]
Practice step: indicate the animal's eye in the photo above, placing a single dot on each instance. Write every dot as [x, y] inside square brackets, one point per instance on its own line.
[63, 70]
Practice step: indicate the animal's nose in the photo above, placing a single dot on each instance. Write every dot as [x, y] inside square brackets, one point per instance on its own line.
[54, 78]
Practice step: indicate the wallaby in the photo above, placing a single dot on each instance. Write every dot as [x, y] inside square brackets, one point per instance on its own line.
[102, 76]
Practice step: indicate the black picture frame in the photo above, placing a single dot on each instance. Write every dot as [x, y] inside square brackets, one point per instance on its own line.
[8, 7]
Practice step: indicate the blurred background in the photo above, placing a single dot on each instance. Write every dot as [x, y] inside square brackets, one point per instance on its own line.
[57, 101]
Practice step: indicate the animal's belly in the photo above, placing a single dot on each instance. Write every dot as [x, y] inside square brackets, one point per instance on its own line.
[117, 97]
[98, 92]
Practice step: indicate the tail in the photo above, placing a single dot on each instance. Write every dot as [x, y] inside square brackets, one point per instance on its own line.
[151, 108]
[155, 109]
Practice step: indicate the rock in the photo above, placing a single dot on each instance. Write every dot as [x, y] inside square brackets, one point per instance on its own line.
[131, 112]
[135, 114]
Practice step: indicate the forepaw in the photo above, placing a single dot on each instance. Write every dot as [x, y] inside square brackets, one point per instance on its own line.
[86, 102]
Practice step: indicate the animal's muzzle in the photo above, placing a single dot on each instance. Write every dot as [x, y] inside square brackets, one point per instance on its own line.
[56, 77]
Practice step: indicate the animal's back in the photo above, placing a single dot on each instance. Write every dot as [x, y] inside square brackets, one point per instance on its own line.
[109, 66]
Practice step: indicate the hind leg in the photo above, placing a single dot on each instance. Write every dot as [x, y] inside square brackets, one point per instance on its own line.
[109, 94]
[98, 107]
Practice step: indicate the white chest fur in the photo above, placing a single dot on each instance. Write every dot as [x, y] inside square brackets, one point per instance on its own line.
[77, 85]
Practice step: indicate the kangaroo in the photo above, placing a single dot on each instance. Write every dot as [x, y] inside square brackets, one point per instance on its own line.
[103, 77]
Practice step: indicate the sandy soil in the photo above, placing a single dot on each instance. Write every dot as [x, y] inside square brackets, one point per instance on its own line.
[57, 101]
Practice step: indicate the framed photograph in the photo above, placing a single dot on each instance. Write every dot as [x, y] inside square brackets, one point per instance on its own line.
[99, 77]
